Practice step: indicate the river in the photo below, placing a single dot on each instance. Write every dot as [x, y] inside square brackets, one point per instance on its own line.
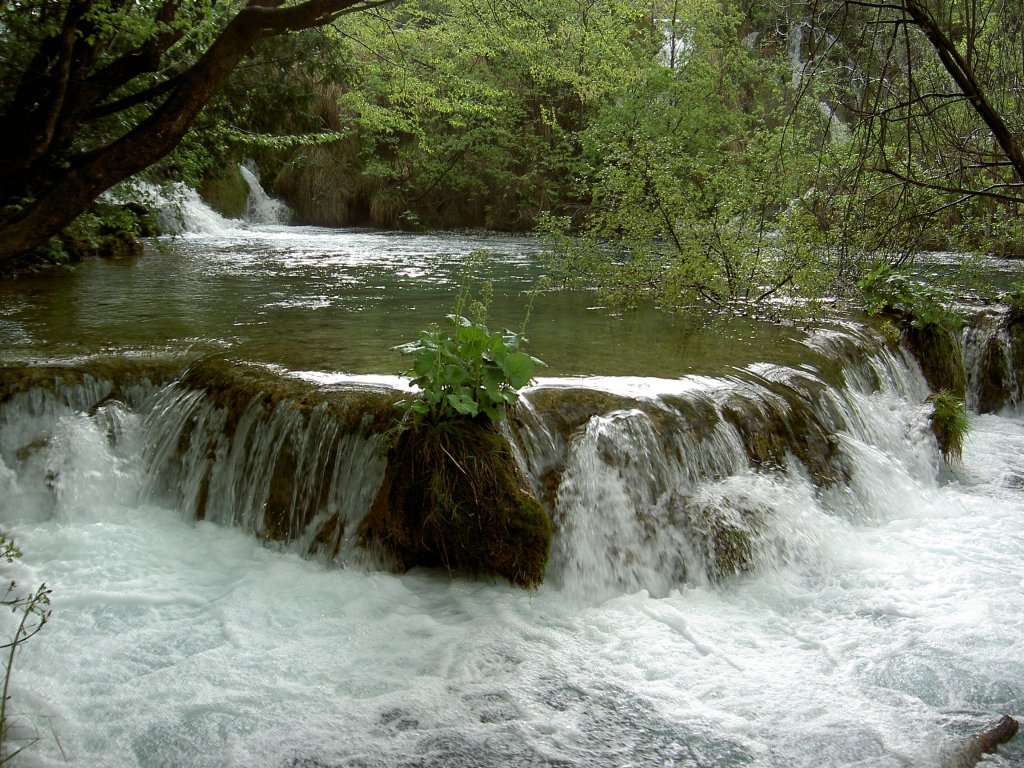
[881, 622]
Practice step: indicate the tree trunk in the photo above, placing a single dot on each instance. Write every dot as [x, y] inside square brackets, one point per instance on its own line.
[963, 75]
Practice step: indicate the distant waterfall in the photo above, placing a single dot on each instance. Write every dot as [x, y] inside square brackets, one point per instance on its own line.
[991, 360]
[261, 208]
[182, 211]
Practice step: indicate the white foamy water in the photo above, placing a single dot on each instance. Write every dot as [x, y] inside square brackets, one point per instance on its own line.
[261, 208]
[888, 629]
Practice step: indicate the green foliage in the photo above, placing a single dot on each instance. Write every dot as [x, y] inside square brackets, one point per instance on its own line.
[466, 370]
[1013, 299]
[888, 290]
[458, 113]
[32, 611]
[950, 423]
[922, 168]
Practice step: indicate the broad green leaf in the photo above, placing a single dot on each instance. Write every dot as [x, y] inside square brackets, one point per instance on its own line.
[463, 404]
[518, 368]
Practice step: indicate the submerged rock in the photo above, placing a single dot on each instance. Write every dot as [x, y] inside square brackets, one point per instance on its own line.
[987, 742]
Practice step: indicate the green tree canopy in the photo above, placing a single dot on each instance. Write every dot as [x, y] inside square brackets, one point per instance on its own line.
[94, 91]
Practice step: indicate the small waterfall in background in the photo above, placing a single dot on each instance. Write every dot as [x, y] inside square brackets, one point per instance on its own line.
[182, 211]
[261, 208]
[991, 359]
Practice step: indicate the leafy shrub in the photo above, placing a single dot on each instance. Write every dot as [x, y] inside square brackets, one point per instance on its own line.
[887, 290]
[465, 369]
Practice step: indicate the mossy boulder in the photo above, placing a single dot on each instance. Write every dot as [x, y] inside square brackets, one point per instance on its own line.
[236, 385]
[992, 389]
[454, 497]
[104, 375]
[306, 424]
[771, 428]
[724, 536]
[938, 353]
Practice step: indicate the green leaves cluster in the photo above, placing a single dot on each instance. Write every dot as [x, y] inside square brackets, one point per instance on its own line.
[950, 423]
[888, 290]
[466, 370]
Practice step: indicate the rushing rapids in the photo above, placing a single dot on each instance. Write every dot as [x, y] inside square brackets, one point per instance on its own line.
[763, 565]
[707, 492]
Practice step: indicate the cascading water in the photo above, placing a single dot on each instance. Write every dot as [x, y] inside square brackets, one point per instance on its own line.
[181, 211]
[991, 361]
[767, 565]
[261, 208]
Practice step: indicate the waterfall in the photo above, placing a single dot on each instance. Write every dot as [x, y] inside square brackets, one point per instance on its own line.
[770, 566]
[699, 479]
[991, 360]
[650, 484]
[181, 210]
[261, 208]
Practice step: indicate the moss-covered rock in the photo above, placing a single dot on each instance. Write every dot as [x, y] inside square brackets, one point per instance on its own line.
[285, 431]
[114, 373]
[226, 191]
[724, 538]
[770, 428]
[992, 390]
[938, 353]
[454, 497]
[236, 385]
[566, 409]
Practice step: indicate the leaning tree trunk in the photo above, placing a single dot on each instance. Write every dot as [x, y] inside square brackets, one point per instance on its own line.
[963, 75]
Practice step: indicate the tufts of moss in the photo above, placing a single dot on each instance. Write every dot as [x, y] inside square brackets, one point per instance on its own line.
[454, 497]
[950, 424]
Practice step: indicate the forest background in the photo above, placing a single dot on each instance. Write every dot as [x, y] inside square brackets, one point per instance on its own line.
[726, 152]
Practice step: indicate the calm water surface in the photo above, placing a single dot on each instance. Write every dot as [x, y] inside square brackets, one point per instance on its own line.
[338, 300]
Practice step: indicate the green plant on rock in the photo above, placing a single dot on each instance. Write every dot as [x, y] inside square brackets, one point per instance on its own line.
[950, 424]
[32, 611]
[453, 495]
[465, 369]
[928, 327]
